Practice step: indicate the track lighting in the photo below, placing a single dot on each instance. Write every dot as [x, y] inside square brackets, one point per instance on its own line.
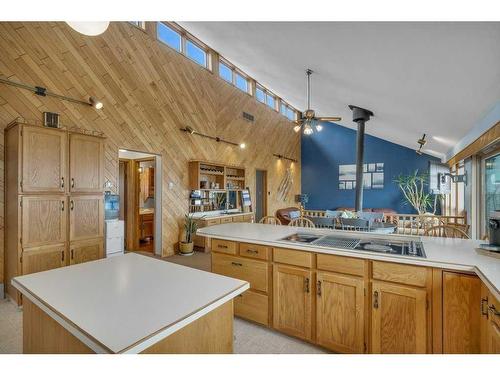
[190, 130]
[422, 143]
[42, 91]
[95, 103]
[279, 156]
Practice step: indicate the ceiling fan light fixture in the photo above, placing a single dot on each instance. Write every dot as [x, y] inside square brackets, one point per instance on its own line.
[89, 28]
[319, 127]
[308, 130]
[297, 128]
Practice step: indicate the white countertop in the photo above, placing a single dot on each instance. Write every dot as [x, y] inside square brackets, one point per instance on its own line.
[127, 303]
[220, 215]
[447, 253]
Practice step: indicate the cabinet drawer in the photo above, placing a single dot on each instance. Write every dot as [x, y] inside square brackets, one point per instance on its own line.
[293, 257]
[212, 222]
[400, 273]
[226, 220]
[335, 263]
[252, 306]
[254, 251]
[248, 218]
[237, 219]
[253, 271]
[223, 246]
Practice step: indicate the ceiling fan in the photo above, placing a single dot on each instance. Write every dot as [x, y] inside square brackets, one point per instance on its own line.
[308, 120]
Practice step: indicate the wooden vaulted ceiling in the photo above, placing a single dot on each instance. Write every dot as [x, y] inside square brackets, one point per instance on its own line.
[149, 92]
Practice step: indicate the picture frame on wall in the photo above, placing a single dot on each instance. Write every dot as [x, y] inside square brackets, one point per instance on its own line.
[377, 180]
[348, 185]
[341, 185]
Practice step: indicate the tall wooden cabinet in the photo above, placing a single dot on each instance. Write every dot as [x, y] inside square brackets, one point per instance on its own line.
[54, 208]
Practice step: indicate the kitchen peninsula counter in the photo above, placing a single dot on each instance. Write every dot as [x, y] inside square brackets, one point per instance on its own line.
[128, 304]
[444, 253]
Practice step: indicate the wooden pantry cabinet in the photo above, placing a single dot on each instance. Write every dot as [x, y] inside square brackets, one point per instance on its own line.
[489, 323]
[54, 203]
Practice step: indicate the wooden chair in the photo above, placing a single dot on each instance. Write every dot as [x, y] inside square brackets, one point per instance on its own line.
[447, 231]
[301, 222]
[270, 220]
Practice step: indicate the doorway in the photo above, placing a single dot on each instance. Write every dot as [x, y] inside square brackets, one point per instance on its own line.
[260, 194]
[140, 200]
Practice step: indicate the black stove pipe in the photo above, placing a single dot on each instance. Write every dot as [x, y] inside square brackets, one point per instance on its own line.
[360, 116]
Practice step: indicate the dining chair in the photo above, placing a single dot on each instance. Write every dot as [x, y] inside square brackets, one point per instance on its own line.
[301, 222]
[354, 224]
[446, 231]
[272, 220]
[371, 216]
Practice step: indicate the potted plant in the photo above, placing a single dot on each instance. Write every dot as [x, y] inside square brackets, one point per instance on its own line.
[414, 187]
[190, 226]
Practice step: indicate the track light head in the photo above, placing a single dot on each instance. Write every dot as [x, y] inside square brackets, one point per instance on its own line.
[189, 129]
[95, 103]
[242, 145]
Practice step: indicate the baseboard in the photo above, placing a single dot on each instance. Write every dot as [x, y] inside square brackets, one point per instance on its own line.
[2, 295]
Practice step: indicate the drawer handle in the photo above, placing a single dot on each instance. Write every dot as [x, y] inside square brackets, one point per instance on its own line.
[375, 300]
[306, 285]
[72, 254]
[236, 264]
[319, 287]
[62, 205]
[72, 205]
[62, 256]
[483, 300]
[62, 182]
[222, 246]
[72, 182]
[252, 251]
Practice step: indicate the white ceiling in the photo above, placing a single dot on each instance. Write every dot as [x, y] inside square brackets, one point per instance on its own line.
[434, 78]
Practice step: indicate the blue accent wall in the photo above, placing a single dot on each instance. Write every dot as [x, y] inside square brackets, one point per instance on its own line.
[335, 145]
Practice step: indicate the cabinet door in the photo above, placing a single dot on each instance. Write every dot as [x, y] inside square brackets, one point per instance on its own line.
[399, 320]
[86, 217]
[340, 312]
[86, 251]
[38, 259]
[86, 168]
[43, 160]
[43, 220]
[292, 300]
[494, 326]
[485, 323]
[461, 313]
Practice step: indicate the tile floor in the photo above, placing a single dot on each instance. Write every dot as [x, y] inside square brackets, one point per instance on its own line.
[248, 338]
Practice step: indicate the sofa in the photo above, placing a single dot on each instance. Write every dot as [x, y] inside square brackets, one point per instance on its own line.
[285, 215]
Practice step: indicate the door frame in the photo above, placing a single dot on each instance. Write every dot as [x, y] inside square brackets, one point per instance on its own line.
[265, 191]
[131, 172]
[481, 192]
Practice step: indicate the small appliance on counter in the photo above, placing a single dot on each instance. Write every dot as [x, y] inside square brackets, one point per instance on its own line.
[493, 247]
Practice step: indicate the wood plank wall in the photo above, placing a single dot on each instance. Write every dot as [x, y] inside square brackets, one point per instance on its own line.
[149, 92]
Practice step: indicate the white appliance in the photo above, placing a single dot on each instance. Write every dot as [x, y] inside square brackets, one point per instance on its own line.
[114, 232]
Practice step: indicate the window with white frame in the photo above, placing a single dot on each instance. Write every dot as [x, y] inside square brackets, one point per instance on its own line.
[139, 24]
[196, 53]
[229, 74]
[169, 36]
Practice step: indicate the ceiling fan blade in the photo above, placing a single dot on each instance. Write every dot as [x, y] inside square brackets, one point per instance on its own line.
[330, 118]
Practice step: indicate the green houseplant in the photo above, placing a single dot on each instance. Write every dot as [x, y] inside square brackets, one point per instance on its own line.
[414, 187]
[190, 226]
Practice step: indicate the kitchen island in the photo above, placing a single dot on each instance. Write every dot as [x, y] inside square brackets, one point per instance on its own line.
[128, 304]
[357, 301]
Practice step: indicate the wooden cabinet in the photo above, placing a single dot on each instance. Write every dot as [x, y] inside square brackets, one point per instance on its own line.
[86, 251]
[252, 306]
[53, 199]
[146, 226]
[340, 312]
[86, 164]
[399, 319]
[292, 300]
[86, 217]
[44, 219]
[222, 246]
[461, 313]
[43, 161]
[490, 323]
[38, 259]
[253, 271]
